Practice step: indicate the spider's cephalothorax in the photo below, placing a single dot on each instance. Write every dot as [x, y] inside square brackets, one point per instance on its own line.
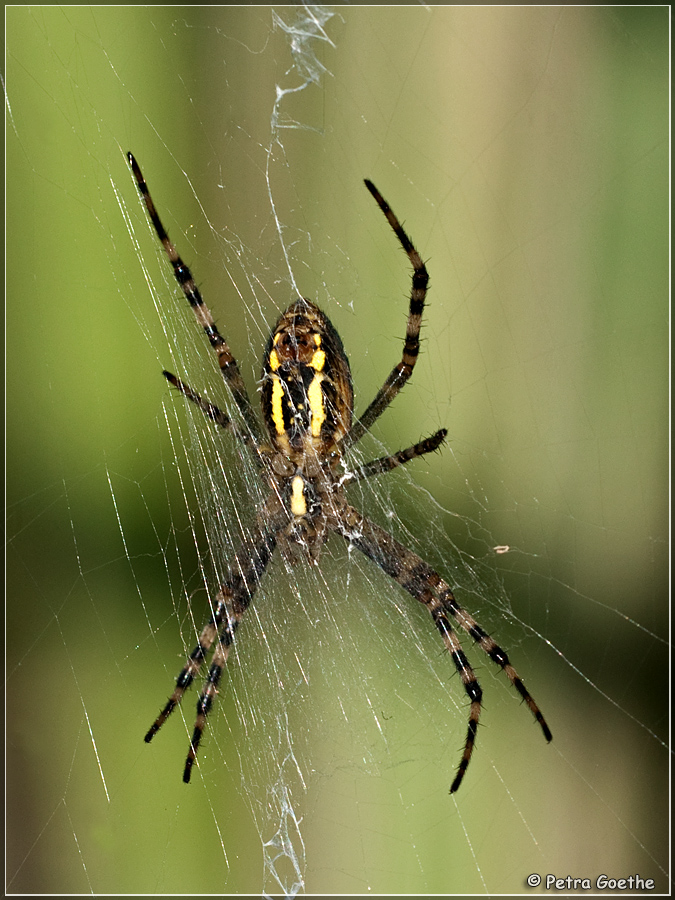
[306, 397]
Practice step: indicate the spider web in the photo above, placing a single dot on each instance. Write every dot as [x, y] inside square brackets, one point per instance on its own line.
[525, 150]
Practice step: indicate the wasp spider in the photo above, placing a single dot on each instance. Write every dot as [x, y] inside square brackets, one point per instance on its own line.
[307, 399]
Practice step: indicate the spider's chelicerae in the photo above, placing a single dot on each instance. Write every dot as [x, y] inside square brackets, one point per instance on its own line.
[307, 397]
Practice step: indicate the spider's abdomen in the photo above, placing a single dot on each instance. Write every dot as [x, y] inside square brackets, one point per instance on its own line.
[306, 393]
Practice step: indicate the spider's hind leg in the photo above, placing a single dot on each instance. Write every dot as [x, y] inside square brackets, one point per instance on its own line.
[401, 373]
[228, 365]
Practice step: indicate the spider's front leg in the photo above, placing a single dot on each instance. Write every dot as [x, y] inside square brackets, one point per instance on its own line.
[427, 586]
[234, 597]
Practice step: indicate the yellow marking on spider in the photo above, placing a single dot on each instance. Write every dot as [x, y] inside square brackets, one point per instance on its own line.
[274, 360]
[277, 411]
[316, 404]
[318, 360]
[298, 502]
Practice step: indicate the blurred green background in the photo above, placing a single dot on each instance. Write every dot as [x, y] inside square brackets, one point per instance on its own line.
[526, 151]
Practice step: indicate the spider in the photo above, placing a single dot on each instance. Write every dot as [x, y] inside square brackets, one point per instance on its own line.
[307, 399]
